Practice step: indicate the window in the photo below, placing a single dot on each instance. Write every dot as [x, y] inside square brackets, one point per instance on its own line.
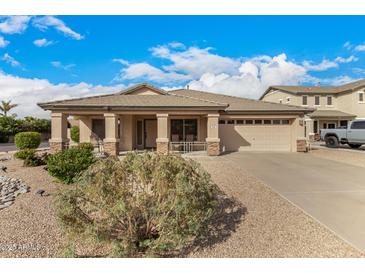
[258, 122]
[267, 122]
[287, 100]
[304, 100]
[317, 100]
[222, 122]
[280, 101]
[184, 130]
[249, 122]
[343, 123]
[361, 97]
[239, 122]
[230, 122]
[276, 122]
[329, 100]
[358, 125]
[285, 122]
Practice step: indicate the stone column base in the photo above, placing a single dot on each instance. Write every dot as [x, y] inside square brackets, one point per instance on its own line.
[163, 148]
[111, 148]
[302, 145]
[213, 148]
[57, 146]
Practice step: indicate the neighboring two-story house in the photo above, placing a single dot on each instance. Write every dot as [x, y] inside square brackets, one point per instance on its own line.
[334, 105]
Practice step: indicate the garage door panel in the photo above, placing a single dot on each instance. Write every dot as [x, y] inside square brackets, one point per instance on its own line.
[255, 137]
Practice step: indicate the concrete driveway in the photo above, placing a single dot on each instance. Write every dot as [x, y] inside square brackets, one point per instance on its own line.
[329, 191]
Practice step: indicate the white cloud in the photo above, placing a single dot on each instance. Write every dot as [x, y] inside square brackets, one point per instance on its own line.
[58, 64]
[360, 47]
[324, 65]
[243, 76]
[43, 42]
[339, 80]
[195, 61]
[349, 59]
[3, 42]
[10, 60]
[121, 61]
[148, 72]
[254, 76]
[347, 45]
[14, 24]
[44, 22]
[28, 92]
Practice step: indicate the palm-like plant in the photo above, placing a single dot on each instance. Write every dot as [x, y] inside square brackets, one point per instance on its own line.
[5, 107]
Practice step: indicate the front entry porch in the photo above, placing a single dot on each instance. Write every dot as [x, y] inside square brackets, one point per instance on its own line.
[161, 132]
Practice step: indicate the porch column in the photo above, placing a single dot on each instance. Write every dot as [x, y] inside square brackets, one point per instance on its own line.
[162, 140]
[85, 129]
[213, 141]
[111, 141]
[309, 129]
[58, 139]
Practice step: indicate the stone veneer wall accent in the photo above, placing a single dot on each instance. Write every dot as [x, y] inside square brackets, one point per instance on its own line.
[111, 148]
[57, 146]
[301, 145]
[213, 148]
[163, 148]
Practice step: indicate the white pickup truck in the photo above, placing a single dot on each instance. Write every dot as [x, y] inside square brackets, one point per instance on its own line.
[353, 135]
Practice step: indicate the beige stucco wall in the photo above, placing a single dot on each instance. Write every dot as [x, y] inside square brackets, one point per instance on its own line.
[145, 91]
[85, 126]
[349, 102]
[277, 95]
[297, 100]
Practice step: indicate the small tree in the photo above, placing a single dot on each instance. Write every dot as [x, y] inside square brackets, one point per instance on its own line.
[6, 106]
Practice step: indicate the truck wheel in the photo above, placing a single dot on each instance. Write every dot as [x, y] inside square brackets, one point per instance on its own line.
[332, 142]
[355, 145]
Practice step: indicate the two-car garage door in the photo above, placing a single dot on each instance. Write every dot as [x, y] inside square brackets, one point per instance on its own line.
[255, 137]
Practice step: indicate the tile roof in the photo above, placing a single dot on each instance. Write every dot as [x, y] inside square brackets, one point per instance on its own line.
[237, 104]
[330, 114]
[318, 89]
[182, 98]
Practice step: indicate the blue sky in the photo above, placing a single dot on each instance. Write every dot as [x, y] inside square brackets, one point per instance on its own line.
[46, 58]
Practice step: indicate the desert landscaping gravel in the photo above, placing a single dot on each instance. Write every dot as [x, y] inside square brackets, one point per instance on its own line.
[28, 228]
[264, 224]
[355, 158]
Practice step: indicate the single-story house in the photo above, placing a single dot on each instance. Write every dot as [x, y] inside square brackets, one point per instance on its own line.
[147, 117]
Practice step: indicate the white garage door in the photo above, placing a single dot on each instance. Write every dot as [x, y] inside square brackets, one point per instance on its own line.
[255, 137]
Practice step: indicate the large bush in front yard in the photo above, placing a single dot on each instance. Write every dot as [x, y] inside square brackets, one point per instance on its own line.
[67, 165]
[143, 205]
[27, 140]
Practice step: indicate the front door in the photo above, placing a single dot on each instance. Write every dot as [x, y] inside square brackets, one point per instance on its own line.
[150, 133]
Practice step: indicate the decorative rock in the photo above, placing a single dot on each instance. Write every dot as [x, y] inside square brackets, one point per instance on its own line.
[9, 189]
[4, 168]
[40, 192]
[5, 158]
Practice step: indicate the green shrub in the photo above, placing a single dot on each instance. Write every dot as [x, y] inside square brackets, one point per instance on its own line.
[25, 140]
[24, 153]
[88, 146]
[66, 165]
[144, 205]
[75, 134]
